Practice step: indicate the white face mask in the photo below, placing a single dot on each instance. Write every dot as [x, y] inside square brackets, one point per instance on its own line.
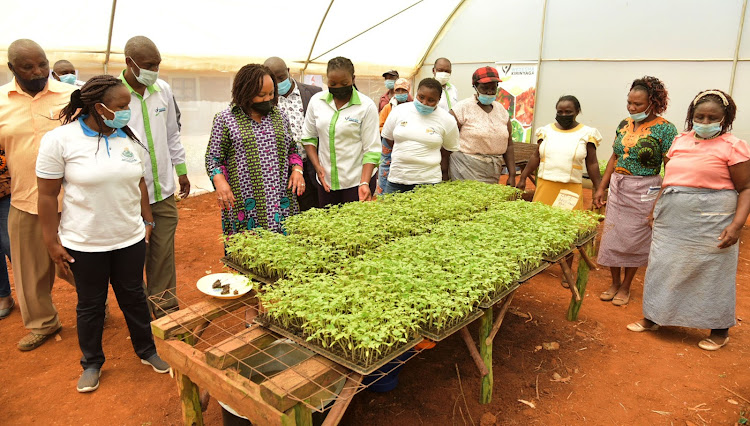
[442, 77]
[145, 77]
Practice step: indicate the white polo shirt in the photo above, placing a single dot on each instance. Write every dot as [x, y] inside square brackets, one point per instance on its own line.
[102, 200]
[154, 122]
[449, 97]
[417, 142]
[346, 138]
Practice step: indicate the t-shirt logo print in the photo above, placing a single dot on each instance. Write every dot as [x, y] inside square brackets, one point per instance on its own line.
[128, 156]
[159, 111]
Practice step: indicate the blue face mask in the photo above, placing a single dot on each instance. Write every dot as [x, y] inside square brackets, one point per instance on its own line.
[422, 108]
[485, 99]
[390, 84]
[68, 78]
[401, 97]
[285, 86]
[121, 118]
[706, 131]
[640, 116]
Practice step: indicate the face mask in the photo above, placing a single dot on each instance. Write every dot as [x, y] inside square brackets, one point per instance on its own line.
[707, 130]
[262, 107]
[36, 85]
[422, 108]
[442, 77]
[638, 117]
[121, 118]
[341, 93]
[145, 77]
[68, 78]
[566, 121]
[285, 86]
[390, 84]
[401, 97]
[485, 99]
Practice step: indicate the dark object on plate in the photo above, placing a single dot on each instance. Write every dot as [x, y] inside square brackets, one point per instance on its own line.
[236, 292]
[216, 284]
[225, 289]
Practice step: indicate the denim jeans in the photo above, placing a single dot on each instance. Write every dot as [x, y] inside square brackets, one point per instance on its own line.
[4, 246]
[391, 187]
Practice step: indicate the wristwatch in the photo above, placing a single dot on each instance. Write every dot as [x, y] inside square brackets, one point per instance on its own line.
[153, 224]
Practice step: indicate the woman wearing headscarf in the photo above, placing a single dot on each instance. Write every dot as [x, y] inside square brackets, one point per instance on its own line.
[251, 156]
[485, 134]
[341, 138]
[697, 220]
[640, 148]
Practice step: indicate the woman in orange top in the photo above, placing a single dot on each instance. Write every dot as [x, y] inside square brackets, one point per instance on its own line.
[401, 95]
[703, 205]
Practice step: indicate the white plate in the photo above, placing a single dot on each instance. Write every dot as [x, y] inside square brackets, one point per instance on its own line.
[236, 282]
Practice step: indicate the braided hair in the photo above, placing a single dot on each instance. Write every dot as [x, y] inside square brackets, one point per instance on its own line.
[718, 97]
[342, 63]
[82, 103]
[657, 93]
[248, 83]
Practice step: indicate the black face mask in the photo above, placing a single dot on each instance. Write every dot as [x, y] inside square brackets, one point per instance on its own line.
[36, 85]
[566, 121]
[262, 107]
[341, 93]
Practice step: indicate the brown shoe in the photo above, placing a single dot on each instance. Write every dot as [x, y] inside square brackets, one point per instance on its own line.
[32, 340]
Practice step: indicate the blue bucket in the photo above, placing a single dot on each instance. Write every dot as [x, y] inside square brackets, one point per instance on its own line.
[389, 381]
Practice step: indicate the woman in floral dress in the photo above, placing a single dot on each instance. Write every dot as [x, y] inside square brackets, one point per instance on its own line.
[251, 156]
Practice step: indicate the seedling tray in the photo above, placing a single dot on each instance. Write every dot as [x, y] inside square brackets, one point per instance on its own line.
[585, 239]
[499, 296]
[348, 363]
[527, 276]
[226, 260]
[558, 257]
[432, 335]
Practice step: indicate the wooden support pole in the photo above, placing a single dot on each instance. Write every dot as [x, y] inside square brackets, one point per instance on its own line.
[342, 402]
[569, 278]
[192, 415]
[499, 318]
[581, 282]
[485, 325]
[474, 352]
[586, 258]
[301, 413]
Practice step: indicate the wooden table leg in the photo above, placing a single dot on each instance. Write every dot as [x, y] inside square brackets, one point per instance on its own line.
[581, 282]
[569, 278]
[499, 318]
[192, 415]
[302, 414]
[475, 355]
[485, 350]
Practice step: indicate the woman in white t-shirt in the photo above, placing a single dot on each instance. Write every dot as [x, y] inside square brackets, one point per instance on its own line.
[416, 131]
[106, 219]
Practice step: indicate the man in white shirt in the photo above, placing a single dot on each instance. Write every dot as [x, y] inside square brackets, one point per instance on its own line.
[442, 72]
[154, 122]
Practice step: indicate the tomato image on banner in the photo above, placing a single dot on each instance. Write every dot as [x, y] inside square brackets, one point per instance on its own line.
[517, 94]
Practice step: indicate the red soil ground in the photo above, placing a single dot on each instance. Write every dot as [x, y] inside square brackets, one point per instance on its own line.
[615, 376]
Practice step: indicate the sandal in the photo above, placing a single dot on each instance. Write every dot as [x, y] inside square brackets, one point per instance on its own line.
[638, 327]
[606, 296]
[621, 301]
[708, 344]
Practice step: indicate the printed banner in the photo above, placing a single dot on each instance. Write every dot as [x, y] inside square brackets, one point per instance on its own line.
[517, 93]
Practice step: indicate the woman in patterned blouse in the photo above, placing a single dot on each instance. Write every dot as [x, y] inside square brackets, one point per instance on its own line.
[641, 144]
[251, 156]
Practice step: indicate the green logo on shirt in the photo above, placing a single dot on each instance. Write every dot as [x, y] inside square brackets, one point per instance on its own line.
[128, 156]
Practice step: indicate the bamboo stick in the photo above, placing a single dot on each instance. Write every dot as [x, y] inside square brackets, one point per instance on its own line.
[499, 319]
[474, 352]
[569, 277]
[486, 351]
[581, 282]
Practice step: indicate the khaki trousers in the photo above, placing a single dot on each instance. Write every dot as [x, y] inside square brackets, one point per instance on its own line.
[161, 273]
[33, 272]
